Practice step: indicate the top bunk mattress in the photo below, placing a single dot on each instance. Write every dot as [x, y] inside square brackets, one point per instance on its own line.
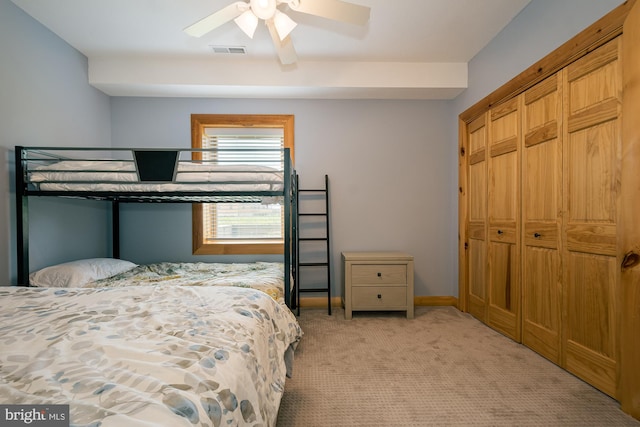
[112, 175]
[134, 172]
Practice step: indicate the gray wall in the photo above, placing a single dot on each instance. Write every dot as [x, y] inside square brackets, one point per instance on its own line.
[45, 101]
[536, 31]
[388, 163]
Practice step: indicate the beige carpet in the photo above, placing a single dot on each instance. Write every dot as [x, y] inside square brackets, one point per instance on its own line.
[443, 368]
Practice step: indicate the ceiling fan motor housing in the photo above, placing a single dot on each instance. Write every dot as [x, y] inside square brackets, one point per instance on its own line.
[263, 9]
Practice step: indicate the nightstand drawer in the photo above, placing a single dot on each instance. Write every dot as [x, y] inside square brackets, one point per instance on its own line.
[378, 274]
[379, 297]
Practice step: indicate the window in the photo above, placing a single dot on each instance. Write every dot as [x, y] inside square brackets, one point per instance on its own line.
[239, 228]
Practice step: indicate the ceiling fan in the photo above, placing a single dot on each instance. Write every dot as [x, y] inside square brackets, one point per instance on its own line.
[247, 14]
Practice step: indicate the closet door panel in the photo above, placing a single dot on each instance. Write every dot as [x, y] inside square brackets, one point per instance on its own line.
[477, 224]
[503, 204]
[592, 156]
[504, 295]
[593, 188]
[478, 193]
[541, 218]
[541, 303]
[477, 278]
[591, 327]
[503, 212]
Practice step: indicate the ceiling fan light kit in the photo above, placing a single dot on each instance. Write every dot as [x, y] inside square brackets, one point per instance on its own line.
[247, 14]
[248, 22]
[284, 25]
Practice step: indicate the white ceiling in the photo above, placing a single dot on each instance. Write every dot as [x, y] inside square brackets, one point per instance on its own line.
[411, 49]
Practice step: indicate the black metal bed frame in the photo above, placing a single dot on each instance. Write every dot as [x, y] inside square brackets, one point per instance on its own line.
[147, 164]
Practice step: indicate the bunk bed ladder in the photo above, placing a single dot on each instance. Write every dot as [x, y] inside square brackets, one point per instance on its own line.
[302, 238]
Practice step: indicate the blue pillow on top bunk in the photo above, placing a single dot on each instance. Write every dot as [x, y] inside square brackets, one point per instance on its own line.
[76, 274]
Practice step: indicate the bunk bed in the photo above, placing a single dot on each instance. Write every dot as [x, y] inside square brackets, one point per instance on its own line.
[130, 175]
[168, 343]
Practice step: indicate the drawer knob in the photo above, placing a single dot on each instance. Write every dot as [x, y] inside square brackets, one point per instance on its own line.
[379, 296]
[500, 231]
[537, 235]
[379, 274]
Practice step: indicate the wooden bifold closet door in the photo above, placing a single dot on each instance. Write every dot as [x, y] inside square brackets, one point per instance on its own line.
[541, 218]
[477, 222]
[592, 157]
[504, 223]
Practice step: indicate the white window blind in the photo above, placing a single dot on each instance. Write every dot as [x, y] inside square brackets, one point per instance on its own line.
[243, 221]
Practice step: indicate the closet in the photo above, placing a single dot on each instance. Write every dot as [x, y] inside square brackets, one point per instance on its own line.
[541, 168]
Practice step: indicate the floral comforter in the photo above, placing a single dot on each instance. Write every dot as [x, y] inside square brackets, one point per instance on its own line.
[265, 276]
[147, 355]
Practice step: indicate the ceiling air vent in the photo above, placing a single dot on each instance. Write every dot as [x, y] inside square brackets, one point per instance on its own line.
[229, 49]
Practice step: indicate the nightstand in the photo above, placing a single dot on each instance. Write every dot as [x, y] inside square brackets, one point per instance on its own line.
[377, 281]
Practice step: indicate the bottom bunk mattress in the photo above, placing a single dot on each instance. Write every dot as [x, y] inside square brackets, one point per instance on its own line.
[267, 277]
[147, 355]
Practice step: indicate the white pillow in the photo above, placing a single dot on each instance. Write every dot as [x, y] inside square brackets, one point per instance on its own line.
[76, 274]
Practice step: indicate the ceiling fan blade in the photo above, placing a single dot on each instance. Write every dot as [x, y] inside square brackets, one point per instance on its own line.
[333, 9]
[286, 51]
[216, 19]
